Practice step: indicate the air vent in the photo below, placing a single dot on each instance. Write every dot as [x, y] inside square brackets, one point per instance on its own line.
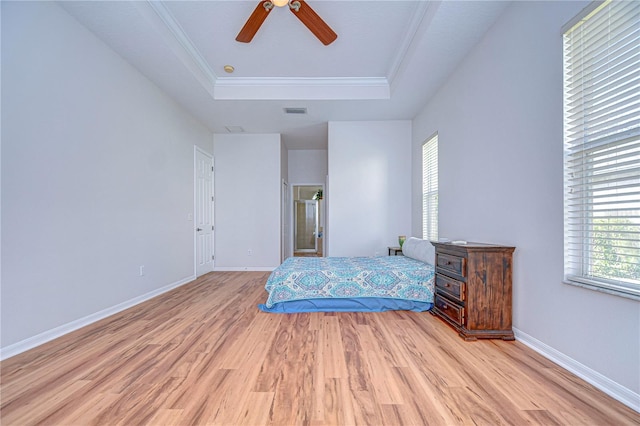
[295, 110]
[234, 129]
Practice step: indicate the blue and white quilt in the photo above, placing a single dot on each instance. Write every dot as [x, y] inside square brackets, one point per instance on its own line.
[307, 284]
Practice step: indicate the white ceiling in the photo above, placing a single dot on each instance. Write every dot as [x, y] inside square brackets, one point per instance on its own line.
[389, 58]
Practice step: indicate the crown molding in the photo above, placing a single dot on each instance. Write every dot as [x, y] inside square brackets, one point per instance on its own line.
[233, 88]
[419, 23]
[178, 41]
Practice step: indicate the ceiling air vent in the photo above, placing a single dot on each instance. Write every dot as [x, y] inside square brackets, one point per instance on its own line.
[295, 110]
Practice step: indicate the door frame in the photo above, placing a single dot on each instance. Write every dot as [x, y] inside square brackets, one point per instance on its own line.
[284, 239]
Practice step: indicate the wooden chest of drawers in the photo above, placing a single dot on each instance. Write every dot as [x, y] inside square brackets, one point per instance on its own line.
[473, 289]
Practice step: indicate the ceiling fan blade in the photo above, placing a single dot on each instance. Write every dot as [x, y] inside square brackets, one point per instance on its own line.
[311, 20]
[254, 22]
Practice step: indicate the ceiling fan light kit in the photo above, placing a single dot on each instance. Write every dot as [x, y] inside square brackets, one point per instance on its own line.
[299, 8]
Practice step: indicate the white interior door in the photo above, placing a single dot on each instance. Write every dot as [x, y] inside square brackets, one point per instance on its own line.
[204, 212]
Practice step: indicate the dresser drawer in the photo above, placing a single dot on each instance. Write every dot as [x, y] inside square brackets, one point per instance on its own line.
[450, 310]
[452, 264]
[454, 288]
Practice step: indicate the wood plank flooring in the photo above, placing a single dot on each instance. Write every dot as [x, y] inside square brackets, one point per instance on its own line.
[204, 354]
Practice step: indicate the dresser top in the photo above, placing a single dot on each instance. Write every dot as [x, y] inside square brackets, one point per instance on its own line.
[469, 245]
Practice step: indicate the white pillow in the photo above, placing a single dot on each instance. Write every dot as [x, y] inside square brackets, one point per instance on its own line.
[418, 249]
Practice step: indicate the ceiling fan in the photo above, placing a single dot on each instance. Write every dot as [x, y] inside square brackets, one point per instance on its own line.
[299, 8]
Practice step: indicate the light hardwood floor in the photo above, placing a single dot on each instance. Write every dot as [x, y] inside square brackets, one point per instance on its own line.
[204, 354]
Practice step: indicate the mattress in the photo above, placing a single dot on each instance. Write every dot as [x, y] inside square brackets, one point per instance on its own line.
[306, 284]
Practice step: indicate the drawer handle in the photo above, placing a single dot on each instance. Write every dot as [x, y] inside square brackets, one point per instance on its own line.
[446, 284]
[444, 306]
[448, 262]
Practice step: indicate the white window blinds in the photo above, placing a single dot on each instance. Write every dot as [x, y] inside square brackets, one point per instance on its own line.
[430, 189]
[602, 148]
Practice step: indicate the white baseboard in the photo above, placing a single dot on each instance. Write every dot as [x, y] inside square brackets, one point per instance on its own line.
[54, 333]
[606, 385]
[244, 268]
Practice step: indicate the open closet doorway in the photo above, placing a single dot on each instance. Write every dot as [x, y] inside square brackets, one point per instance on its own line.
[308, 220]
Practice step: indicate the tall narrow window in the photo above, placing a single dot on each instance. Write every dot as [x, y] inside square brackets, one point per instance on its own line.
[602, 148]
[430, 189]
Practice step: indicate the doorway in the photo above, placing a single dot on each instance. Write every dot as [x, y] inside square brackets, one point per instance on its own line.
[308, 220]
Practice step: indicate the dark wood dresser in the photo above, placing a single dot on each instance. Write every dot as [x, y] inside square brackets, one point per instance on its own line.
[473, 289]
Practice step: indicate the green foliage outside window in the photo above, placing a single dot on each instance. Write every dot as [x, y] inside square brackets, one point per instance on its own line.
[615, 241]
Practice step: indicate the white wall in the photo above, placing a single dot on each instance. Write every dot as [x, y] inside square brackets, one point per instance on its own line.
[369, 186]
[499, 119]
[97, 177]
[248, 182]
[307, 166]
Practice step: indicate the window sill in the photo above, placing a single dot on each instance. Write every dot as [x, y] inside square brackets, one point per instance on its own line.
[613, 291]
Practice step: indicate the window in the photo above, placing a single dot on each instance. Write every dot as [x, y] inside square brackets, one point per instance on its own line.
[602, 148]
[430, 189]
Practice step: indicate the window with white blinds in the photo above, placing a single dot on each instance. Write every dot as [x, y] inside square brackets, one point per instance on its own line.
[602, 148]
[430, 189]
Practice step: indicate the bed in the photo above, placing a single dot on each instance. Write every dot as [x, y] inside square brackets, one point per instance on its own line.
[354, 284]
